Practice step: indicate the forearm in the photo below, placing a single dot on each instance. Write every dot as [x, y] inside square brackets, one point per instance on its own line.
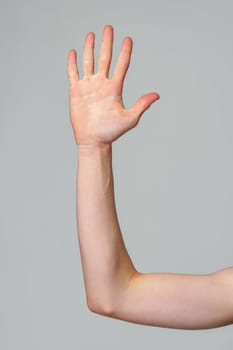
[107, 267]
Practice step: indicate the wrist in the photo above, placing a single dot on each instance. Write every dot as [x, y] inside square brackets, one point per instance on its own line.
[90, 149]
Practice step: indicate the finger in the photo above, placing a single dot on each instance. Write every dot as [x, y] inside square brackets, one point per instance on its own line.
[72, 69]
[142, 104]
[88, 54]
[123, 60]
[105, 55]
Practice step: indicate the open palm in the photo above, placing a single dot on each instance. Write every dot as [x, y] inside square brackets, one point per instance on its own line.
[97, 111]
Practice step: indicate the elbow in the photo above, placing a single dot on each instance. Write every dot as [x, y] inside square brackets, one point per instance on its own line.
[102, 308]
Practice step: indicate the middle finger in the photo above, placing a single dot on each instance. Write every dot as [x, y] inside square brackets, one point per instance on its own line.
[106, 50]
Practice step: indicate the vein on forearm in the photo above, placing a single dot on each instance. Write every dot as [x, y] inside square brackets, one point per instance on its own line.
[106, 264]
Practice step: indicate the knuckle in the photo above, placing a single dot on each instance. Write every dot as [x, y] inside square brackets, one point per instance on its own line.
[72, 69]
[104, 58]
[134, 120]
[86, 62]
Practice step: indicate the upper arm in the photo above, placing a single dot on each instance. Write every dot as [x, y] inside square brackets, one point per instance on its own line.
[183, 301]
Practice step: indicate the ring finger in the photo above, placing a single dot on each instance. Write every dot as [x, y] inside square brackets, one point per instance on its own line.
[88, 54]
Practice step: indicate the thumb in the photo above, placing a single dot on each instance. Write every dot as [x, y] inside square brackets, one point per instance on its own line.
[141, 105]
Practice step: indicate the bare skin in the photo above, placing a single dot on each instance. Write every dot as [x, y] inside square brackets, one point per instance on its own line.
[114, 287]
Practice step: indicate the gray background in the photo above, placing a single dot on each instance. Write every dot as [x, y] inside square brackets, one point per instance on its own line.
[173, 172]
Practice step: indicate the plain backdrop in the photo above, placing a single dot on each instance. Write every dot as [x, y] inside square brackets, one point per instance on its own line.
[173, 172]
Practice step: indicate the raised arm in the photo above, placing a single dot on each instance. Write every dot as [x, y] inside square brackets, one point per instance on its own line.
[113, 286]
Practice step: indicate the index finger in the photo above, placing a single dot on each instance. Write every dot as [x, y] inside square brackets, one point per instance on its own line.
[123, 60]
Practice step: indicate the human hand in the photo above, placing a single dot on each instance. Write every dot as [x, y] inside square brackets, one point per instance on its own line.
[97, 112]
